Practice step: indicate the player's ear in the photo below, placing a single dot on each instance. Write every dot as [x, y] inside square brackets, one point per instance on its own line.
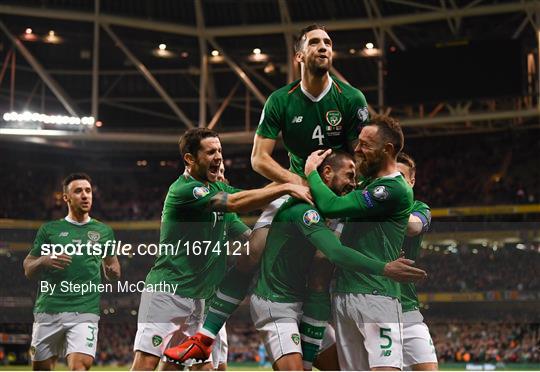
[389, 149]
[327, 173]
[299, 57]
[189, 159]
[65, 197]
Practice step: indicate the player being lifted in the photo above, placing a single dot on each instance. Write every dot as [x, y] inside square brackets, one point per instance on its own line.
[418, 350]
[366, 307]
[66, 322]
[296, 232]
[317, 111]
[194, 212]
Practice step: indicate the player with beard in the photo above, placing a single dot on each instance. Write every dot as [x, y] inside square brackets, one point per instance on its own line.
[193, 222]
[297, 231]
[317, 111]
[367, 311]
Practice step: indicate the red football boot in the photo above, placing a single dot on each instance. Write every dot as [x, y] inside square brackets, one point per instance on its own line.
[198, 347]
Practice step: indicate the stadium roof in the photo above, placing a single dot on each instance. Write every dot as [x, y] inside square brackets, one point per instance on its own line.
[103, 59]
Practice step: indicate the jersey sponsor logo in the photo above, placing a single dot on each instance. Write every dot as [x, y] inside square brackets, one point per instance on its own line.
[297, 120]
[386, 353]
[63, 234]
[333, 117]
[380, 193]
[200, 192]
[367, 198]
[311, 217]
[94, 236]
[295, 337]
[363, 114]
[156, 340]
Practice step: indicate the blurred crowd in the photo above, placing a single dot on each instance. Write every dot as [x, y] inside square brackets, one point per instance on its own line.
[482, 169]
[487, 342]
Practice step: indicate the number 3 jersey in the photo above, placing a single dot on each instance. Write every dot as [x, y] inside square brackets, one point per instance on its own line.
[308, 123]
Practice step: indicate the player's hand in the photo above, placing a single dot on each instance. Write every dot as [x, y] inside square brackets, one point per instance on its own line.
[300, 192]
[112, 271]
[59, 262]
[402, 270]
[315, 159]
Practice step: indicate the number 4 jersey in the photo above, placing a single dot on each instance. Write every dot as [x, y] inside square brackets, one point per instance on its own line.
[308, 123]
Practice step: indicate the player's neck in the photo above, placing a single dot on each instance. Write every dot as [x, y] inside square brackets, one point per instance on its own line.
[78, 217]
[389, 167]
[313, 84]
[187, 174]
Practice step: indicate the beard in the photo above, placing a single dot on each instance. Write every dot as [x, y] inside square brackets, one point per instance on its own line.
[318, 69]
[369, 168]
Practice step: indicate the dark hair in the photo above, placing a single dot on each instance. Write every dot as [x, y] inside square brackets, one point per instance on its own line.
[334, 159]
[406, 159]
[390, 131]
[74, 177]
[190, 142]
[301, 38]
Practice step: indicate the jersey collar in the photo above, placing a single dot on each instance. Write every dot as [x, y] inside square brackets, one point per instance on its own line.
[77, 223]
[323, 93]
[392, 175]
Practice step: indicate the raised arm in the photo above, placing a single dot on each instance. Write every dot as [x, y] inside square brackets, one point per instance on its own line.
[249, 200]
[263, 163]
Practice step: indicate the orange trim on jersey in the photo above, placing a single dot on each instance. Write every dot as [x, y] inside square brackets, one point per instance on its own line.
[294, 88]
[337, 86]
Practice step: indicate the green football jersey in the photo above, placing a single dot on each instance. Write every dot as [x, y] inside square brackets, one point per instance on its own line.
[411, 247]
[196, 235]
[296, 232]
[84, 269]
[377, 215]
[288, 254]
[308, 123]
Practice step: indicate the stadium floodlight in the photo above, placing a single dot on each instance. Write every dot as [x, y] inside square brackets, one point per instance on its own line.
[162, 46]
[52, 38]
[257, 51]
[369, 45]
[28, 117]
[215, 53]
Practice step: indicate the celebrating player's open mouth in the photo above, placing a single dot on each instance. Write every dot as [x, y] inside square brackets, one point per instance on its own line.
[213, 171]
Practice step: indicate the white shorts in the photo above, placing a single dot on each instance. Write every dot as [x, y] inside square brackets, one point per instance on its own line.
[329, 338]
[278, 324]
[165, 319]
[268, 214]
[62, 334]
[368, 331]
[417, 344]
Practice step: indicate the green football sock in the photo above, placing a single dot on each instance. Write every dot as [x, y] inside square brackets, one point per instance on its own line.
[316, 313]
[231, 292]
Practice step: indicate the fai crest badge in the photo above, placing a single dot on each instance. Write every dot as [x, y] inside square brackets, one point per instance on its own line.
[333, 117]
[94, 236]
[295, 338]
[311, 217]
[200, 192]
[156, 340]
[380, 193]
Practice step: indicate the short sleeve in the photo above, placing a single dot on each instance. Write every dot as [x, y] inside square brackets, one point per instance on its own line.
[41, 238]
[307, 219]
[269, 124]
[358, 114]
[422, 211]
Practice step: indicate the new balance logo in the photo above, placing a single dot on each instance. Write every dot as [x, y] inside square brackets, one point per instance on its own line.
[386, 353]
[297, 119]
[64, 233]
